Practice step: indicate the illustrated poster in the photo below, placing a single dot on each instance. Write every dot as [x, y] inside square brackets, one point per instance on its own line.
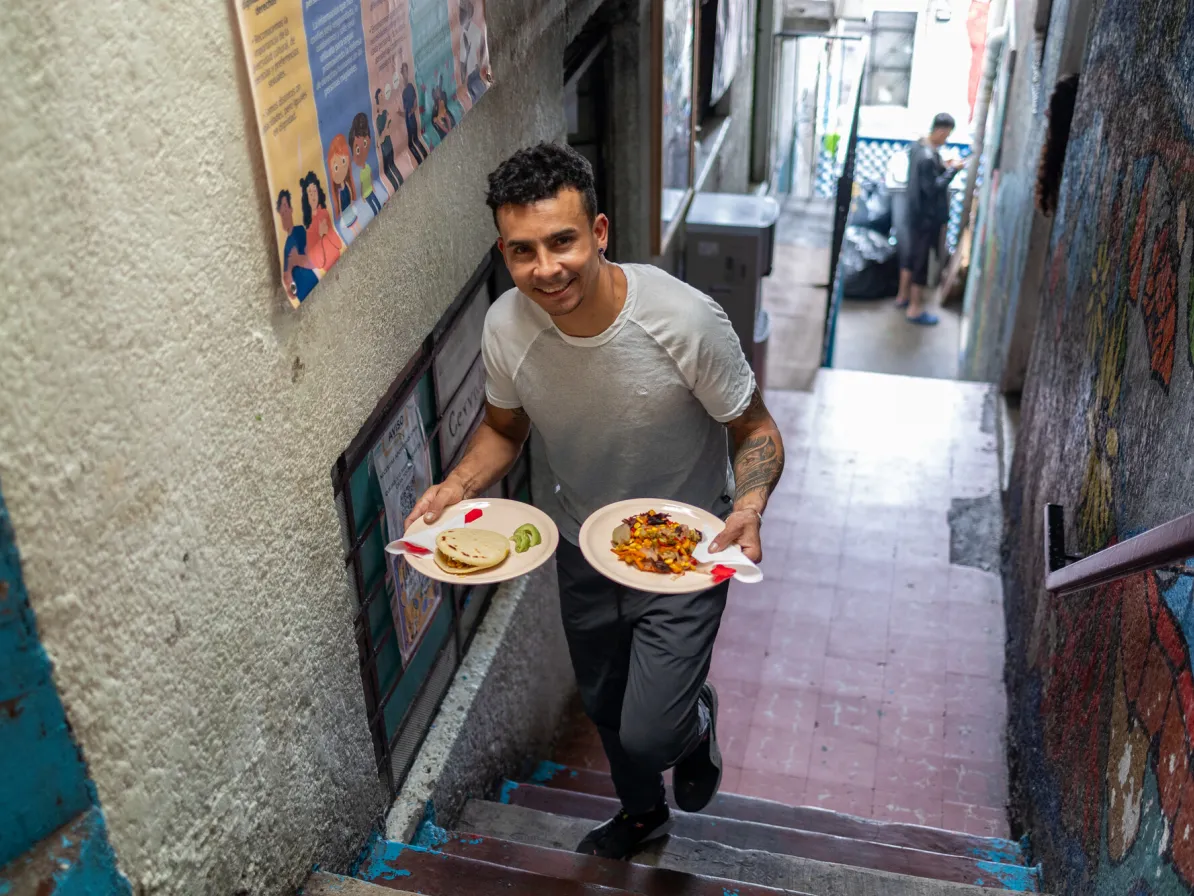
[351, 96]
[403, 468]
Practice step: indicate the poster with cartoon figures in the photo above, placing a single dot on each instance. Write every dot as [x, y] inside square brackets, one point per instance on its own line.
[351, 96]
[403, 470]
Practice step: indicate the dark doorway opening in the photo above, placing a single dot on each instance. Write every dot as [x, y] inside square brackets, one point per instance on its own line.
[587, 74]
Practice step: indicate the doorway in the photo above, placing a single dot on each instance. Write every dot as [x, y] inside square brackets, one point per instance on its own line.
[587, 73]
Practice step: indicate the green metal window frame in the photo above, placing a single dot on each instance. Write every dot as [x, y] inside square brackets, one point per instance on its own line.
[401, 698]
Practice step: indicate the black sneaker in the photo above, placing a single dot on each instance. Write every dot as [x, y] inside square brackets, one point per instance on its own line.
[623, 835]
[698, 775]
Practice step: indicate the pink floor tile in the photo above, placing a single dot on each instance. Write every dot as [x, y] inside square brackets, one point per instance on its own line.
[970, 658]
[734, 743]
[764, 596]
[843, 760]
[860, 575]
[849, 718]
[737, 662]
[974, 782]
[793, 711]
[973, 586]
[907, 807]
[786, 789]
[853, 641]
[974, 737]
[853, 678]
[974, 695]
[731, 779]
[778, 752]
[805, 603]
[896, 772]
[919, 619]
[912, 690]
[793, 671]
[979, 623]
[926, 581]
[794, 636]
[810, 567]
[909, 731]
[848, 798]
[743, 625]
[869, 608]
[982, 821]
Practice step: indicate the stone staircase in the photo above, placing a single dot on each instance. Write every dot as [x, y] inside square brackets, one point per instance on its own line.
[523, 841]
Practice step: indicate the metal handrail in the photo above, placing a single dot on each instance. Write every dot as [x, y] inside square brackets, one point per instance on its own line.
[1167, 547]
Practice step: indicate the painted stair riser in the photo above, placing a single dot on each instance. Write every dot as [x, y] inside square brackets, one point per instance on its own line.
[794, 842]
[808, 818]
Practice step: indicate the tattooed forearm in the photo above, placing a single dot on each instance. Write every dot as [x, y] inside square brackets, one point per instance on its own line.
[758, 464]
[758, 454]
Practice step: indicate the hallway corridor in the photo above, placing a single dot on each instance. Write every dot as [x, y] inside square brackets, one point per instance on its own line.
[865, 674]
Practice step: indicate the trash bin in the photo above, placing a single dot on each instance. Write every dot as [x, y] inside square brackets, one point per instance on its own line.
[729, 249]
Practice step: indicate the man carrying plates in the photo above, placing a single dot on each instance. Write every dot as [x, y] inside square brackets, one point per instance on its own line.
[638, 387]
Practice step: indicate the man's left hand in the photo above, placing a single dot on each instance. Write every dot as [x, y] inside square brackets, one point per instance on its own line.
[742, 529]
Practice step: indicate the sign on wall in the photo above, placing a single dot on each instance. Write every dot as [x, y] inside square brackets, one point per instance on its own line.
[351, 96]
[403, 468]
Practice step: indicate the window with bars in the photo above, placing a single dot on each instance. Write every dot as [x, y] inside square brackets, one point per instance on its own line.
[889, 59]
[412, 632]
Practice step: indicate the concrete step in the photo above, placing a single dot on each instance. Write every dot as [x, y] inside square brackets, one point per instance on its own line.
[806, 818]
[605, 872]
[432, 872]
[710, 858]
[321, 883]
[784, 840]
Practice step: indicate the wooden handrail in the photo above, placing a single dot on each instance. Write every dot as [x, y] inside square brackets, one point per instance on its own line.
[1168, 544]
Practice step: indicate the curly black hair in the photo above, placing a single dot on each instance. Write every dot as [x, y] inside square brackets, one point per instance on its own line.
[1052, 164]
[311, 178]
[283, 194]
[541, 172]
[359, 128]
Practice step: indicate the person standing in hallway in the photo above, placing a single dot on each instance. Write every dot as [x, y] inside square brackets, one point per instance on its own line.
[638, 386]
[927, 214]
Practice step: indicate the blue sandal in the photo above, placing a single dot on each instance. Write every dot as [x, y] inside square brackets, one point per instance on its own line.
[924, 319]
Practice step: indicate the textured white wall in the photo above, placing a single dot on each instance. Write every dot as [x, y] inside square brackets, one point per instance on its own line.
[167, 424]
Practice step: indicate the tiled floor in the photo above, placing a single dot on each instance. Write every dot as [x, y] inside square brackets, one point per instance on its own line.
[865, 673]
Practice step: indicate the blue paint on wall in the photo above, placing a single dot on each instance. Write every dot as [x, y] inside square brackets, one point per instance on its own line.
[1002, 851]
[383, 860]
[43, 780]
[546, 772]
[75, 861]
[41, 772]
[1016, 878]
[508, 787]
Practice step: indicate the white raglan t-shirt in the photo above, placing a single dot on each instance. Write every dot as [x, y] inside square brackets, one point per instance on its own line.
[636, 412]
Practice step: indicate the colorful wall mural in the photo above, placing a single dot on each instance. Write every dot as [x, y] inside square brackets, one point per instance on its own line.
[1101, 683]
[1006, 227]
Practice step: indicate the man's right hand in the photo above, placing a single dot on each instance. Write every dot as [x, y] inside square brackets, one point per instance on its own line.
[434, 502]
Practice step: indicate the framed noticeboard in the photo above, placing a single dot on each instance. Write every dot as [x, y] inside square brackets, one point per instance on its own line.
[673, 126]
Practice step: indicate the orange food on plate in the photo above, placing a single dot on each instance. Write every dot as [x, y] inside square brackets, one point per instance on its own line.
[654, 542]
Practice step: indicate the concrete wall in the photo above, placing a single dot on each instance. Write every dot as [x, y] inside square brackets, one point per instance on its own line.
[167, 425]
[1102, 695]
[1007, 262]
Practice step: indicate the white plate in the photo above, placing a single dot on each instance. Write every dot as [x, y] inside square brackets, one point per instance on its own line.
[596, 543]
[497, 515]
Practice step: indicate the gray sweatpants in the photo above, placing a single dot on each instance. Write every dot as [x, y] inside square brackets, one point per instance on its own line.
[640, 660]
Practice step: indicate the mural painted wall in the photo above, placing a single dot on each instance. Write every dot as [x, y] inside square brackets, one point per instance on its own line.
[1101, 684]
[1007, 224]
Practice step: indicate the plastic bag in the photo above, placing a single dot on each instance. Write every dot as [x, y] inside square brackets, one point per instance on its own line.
[869, 264]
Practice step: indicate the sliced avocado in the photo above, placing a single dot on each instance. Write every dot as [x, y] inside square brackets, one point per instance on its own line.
[521, 542]
[531, 532]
